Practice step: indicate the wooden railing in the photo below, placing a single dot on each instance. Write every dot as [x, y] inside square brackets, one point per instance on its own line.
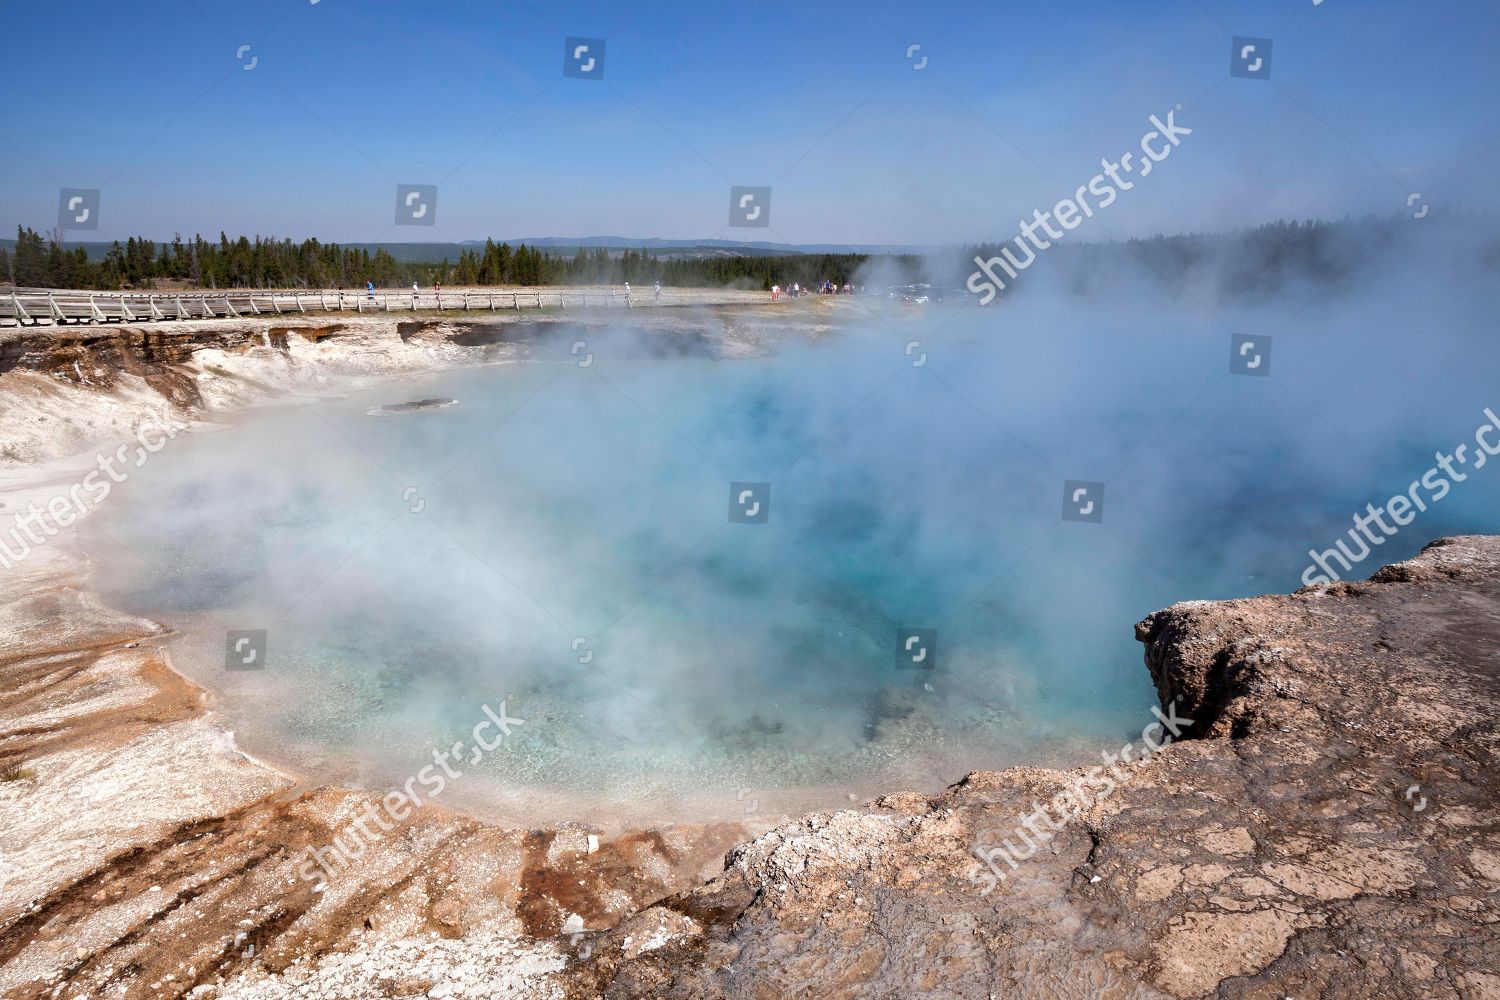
[32, 306]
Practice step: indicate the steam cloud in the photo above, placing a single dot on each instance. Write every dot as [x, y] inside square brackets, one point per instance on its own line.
[565, 502]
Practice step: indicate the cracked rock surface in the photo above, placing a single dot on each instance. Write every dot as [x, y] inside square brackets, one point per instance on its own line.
[1327, 828]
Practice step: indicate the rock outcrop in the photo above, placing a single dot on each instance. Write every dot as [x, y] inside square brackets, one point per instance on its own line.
[1328, 829]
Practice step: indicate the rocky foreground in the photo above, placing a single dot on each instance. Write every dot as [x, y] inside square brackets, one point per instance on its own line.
[1326, 827]
[1330, 832]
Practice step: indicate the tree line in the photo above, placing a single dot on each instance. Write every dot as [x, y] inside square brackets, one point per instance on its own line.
[1258, 261]
[139, 263]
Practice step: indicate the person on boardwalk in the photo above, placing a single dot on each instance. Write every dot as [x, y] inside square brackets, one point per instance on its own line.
[658, 292]
[370, 290]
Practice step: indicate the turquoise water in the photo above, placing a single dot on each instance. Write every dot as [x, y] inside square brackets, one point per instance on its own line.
[562, 539]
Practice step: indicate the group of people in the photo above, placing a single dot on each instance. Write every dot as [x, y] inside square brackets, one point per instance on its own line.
[370, 289]
[656, 295]
[794, 290]
[438, 287]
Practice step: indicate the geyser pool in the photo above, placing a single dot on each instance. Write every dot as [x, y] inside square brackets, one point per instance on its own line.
[563, 539]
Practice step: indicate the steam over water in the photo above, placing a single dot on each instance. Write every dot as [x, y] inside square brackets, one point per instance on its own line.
[732, 666]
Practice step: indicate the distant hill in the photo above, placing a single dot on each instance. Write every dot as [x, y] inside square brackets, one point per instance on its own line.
[658, 246]
[431, 253]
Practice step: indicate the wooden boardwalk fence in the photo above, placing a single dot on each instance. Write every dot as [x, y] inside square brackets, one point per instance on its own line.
[35, 306]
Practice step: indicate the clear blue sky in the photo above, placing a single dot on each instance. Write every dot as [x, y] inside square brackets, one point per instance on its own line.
[1369, 100]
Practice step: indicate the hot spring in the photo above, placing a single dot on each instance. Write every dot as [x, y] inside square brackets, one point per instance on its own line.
[569, 539]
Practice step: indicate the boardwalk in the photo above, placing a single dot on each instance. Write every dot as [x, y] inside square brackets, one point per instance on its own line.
[36, 306]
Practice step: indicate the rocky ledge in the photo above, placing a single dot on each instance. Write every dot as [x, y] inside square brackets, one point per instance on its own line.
[1326, 828]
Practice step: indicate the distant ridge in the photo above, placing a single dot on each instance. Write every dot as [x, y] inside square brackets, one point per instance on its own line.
[568, 245]
[657, 243]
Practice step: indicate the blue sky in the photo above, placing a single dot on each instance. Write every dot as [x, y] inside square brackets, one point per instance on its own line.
[1369, 101]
